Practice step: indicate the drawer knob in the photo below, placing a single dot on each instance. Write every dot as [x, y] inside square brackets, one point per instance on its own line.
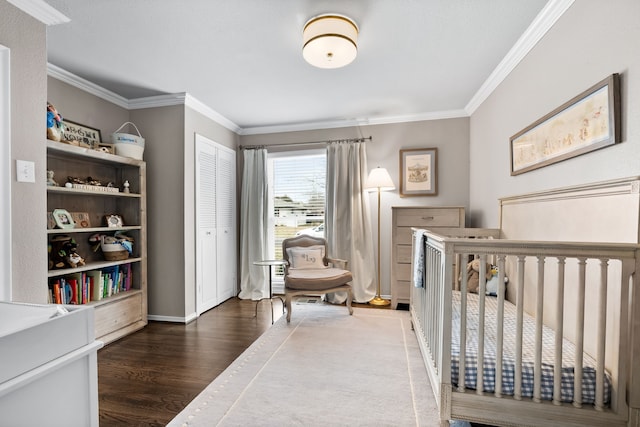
[427, 218]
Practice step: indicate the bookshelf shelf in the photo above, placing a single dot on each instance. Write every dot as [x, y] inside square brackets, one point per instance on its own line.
[122, 307]
[98, 265]
[75, 191]
[92, 230]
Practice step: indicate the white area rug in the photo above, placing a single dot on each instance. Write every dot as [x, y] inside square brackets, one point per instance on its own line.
[325, 368]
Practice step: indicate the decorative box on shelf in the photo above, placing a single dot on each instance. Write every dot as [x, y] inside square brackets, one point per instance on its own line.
[97, 188]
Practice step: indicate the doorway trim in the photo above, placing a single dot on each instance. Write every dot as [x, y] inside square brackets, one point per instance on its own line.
[5, 174]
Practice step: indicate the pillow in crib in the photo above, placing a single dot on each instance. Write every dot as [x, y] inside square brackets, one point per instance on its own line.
[305, 258]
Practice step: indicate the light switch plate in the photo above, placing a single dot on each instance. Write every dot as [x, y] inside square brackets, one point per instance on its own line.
[25, 171]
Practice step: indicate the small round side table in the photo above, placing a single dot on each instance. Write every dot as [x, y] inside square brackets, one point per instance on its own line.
[270, 263]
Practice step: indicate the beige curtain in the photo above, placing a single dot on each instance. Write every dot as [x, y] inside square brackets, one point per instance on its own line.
[254, 218]
[347, 217]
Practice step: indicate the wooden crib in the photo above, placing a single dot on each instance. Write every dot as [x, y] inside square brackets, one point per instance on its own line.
[555, 346]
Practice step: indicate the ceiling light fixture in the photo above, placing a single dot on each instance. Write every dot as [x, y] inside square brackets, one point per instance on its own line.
[330, 41]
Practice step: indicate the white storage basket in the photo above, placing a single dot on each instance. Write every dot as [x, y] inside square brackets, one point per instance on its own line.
[126, 144]
[113, 251]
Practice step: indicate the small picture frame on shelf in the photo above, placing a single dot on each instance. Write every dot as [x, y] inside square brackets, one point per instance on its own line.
[63, 219]
[113, 221]
[81, 219]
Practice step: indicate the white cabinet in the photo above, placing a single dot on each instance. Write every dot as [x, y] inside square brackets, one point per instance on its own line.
[122, 307]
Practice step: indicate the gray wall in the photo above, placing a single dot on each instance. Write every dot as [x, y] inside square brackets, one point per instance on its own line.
[26, 38]
[591, 41]
[164, 149]
[450, 137]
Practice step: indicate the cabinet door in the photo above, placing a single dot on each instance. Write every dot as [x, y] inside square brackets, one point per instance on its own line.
[206, 256]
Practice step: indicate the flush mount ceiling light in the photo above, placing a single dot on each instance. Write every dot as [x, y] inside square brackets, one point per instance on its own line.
[330, 41]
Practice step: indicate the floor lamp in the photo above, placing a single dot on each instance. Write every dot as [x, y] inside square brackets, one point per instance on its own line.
[379, 180]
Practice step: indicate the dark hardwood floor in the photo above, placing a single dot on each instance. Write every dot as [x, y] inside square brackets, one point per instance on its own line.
[148, 377]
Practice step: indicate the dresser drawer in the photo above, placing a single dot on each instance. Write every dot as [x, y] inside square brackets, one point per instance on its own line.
[403, 219]
[403, 254]
[432, 217]
[403, 272]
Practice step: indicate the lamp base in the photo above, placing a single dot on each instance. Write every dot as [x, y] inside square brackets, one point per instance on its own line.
[379, 301]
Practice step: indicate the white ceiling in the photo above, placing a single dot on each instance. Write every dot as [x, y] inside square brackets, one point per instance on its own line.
[417, 59]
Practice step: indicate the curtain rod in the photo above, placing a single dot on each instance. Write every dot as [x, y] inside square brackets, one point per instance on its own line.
[252, 147]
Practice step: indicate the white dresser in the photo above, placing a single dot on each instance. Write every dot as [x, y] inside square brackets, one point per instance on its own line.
[403, 218]
[49, 369]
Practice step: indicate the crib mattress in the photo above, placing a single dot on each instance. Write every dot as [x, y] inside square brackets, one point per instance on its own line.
[528, 354]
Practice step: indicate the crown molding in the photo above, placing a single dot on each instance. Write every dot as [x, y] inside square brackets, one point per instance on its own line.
[140, 103]
[188, 101]
[209, 112]
[41, 11]
[438, 115]
[547, 17]
[85, 85]
[157, 101]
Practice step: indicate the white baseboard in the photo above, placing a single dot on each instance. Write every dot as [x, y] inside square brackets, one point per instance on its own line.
[173, 319]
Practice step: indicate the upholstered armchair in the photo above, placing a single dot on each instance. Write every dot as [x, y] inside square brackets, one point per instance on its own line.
[309, 271]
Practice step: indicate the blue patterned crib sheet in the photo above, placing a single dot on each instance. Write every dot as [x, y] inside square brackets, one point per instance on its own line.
[528, 354]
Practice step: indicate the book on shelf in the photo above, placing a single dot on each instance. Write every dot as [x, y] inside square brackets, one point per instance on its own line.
[92, 285]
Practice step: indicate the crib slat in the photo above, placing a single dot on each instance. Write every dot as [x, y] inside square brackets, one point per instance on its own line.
[537, 368]
[578, 357]
[481, 307]
[500, 332]
[463, 330]
[557, 374]
[601, 337]
[517, 385]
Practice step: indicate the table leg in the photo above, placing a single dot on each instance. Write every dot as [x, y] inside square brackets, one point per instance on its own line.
[270, 297]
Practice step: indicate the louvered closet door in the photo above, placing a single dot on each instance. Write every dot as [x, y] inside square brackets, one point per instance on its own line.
[226, 223]
[206, 245]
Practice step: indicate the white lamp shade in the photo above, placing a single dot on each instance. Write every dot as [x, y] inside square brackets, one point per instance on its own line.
[330, 41]
[379, 178]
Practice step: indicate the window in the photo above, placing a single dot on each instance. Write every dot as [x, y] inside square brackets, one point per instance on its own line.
[297, 196]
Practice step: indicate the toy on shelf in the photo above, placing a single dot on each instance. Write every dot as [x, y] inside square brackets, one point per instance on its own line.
[50, 181]
[64, 253]
[55, 125]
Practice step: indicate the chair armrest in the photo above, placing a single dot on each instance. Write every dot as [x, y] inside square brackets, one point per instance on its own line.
[337, 262]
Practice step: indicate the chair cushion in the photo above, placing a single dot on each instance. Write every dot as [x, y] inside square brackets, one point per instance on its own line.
[317, 279]
[305, 258]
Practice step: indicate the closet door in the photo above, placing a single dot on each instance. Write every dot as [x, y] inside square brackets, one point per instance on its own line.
[216, 253]
[206, 232]
[226, 223]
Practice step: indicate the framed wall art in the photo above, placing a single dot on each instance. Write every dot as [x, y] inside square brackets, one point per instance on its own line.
[77, 134]
[418, 172]
[587, 122]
